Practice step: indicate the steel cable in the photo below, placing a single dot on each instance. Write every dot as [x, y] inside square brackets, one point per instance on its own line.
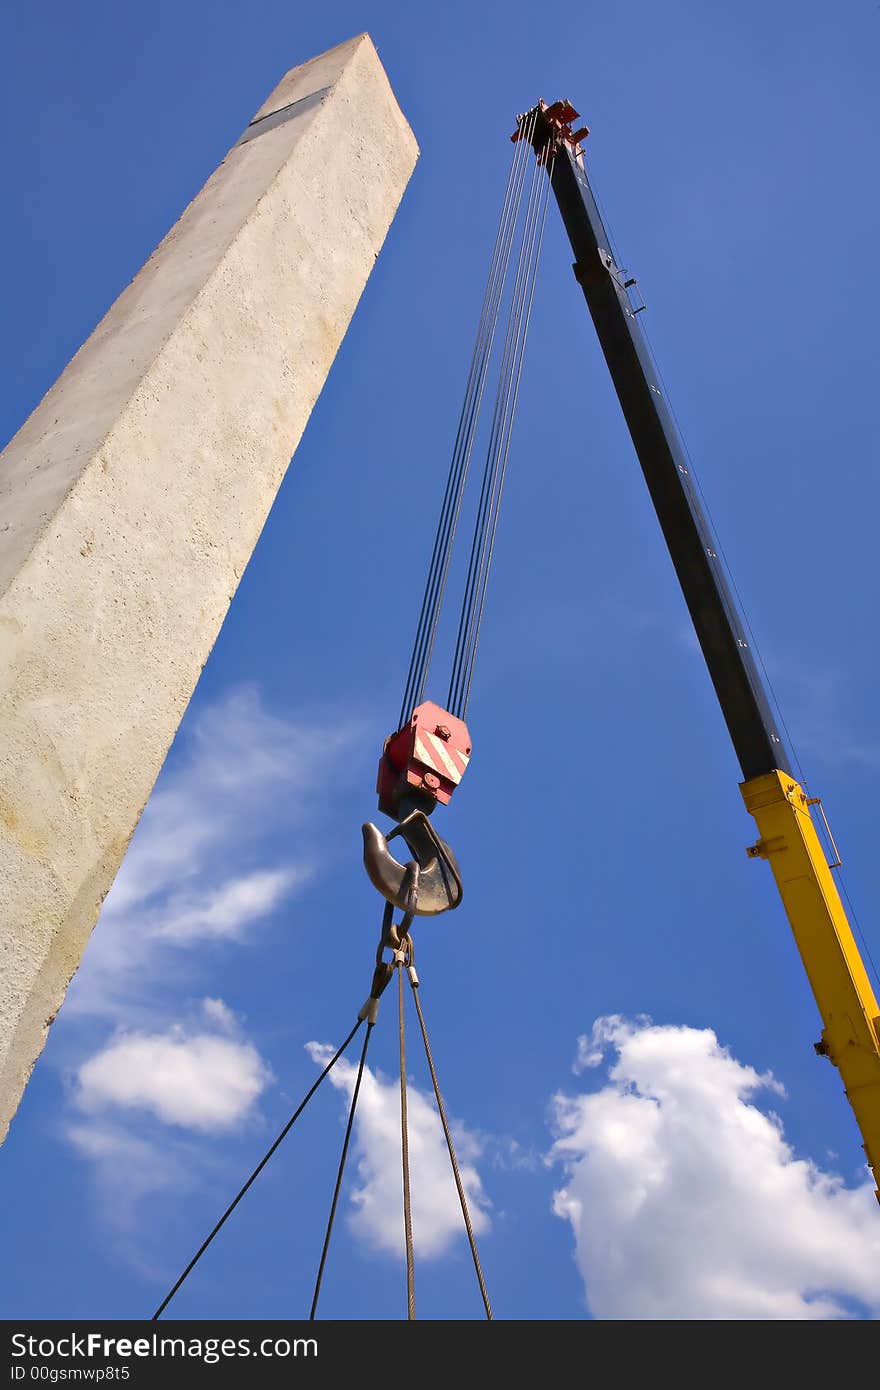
[478, 551]
[470, 412]
[482, 545]
[404, 1154]
[480, 522]
[462, 1196]
[255, 1174]
[505, 454]
[341, 1172]
[450, 510]
[454, 482]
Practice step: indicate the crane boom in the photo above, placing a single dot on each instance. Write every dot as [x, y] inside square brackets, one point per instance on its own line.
[788, 838]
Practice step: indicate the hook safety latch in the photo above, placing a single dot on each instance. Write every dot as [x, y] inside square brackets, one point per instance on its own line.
[439, 877]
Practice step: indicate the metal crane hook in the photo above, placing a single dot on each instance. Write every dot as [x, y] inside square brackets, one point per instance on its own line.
[439, 879]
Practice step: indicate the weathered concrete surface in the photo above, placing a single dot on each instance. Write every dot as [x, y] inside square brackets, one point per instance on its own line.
[132, 498]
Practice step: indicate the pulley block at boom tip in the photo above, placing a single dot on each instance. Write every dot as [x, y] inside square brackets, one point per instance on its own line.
[556, 122]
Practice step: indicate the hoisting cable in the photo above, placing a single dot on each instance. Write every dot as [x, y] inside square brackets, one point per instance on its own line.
[341, 1171]
[494, 473]
[465, 435]
[462, 1195]
[424, 760]
[255, 1174]
[505, 455]
[521, 223]
[464, 440]
[394, 934]
[400, 959]
[489, 469]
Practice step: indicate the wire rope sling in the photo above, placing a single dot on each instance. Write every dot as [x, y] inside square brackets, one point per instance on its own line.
[425, 758]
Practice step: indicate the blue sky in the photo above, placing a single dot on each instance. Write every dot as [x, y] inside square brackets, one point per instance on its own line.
[639, 1172]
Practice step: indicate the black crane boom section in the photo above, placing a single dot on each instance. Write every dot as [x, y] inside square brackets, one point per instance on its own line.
[719, 625]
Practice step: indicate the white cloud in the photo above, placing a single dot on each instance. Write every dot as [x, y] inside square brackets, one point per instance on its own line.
[825, 717]
[509, 1155]
[242, 769]
[686, 1201]
[138, 1182]
[378, 1197]
[129, 1170]
[220, 1015]
[202, 1082]
[233, 789]
[209, 862]
[226, 911]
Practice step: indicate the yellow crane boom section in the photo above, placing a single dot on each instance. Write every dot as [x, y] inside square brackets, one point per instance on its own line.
[837, 975]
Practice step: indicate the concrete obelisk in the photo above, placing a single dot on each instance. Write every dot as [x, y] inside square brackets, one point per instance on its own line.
[132, 498]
